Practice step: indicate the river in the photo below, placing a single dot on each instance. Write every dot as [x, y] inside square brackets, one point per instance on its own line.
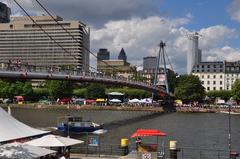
[198, 130]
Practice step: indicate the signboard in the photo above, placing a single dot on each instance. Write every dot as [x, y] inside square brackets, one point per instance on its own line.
[146, 156]
[161, 79]
[93, 141]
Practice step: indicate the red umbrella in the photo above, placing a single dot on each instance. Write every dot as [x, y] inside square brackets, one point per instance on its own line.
[148, 132]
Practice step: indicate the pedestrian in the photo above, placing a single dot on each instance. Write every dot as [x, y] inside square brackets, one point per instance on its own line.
[138, 143]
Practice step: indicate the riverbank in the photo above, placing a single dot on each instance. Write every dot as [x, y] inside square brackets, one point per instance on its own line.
[209, 109]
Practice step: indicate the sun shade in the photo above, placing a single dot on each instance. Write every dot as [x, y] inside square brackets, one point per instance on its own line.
[147, 132]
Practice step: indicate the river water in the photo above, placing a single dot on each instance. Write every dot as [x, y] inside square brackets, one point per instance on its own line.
[198, 130]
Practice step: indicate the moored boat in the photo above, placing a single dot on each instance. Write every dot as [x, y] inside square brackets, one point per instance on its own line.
[75, 124]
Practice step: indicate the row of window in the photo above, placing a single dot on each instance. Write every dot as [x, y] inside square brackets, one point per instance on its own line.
[213, 76]
[214, 88]
[214, 82]
[209, 66]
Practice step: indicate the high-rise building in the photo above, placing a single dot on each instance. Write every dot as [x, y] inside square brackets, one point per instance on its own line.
[103, 54]
[4, 13]
[24, 41]
[194, 56]
[149, 62]
[122, 55]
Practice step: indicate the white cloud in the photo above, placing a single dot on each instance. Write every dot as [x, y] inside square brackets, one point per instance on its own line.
[225, 53]
[140, 37]
[234, 10]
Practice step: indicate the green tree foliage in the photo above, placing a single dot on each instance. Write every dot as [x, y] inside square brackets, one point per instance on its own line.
[58, 89]
[189, 88]
[94, 91]
[236, 90]
[171, 81]
[80, 92]
[223, 94]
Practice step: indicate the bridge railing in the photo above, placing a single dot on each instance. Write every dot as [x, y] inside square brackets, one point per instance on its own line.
[25, 67]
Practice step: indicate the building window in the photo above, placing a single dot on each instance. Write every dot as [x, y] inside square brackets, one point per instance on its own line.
[214, 66]
[220, 82]
[214, 76]
[208, 66]
[202, 76]
[202, 66]
[220, 88]
[220, 76]
[202, 82]
[214, 88]
[208, 88]
[208, 76]
[214, 82]
[208, 82]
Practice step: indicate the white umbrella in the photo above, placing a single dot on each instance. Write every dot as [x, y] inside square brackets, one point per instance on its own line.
[18, 150]
[115, 101]
[146, 100]
[54, 141]
[135, 100]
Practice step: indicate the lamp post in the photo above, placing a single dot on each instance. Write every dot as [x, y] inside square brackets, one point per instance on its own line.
[229, 129]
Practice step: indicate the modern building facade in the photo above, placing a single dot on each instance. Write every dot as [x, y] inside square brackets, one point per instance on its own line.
[149, 62]
[217, 75]
[194, 56]
[103, 54]
[122, 55]
[4, 13]
[22, 40]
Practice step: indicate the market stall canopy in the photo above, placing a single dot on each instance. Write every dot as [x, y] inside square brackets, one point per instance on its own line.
[115, 101]
[100, 100]
[147, 132]
[115, 94]
[146, 101]
[54, 141]
[12, 129]
[135, 100]
[18, 150]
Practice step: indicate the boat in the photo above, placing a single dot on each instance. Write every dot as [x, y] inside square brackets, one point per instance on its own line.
[75, 124]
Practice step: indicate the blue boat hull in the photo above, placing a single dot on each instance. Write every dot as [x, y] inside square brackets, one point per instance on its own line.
[70, 129]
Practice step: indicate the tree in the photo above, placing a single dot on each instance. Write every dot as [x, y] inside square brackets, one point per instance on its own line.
[223, 94]
[189, 88]
[58, 89]
[94, 91]
[236, 90]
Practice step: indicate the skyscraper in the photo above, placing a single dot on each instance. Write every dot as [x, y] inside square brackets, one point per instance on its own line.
[194, 56]
[23, 40]
[122, 55]
[4, 13]
[103, 54]
[149, 63]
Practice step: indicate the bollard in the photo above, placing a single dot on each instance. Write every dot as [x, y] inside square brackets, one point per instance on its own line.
[233, 155]
[173, 149]
[124, 146]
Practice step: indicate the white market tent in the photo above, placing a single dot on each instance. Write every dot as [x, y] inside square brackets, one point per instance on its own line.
[115, 100]
[12, 129]
[135, 100]
[18, 150]
[116, 94]
[53, 141]
[146, 101]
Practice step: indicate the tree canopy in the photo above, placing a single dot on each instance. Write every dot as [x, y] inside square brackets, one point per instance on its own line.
[236, 90]
[94, 91]
[189, 88]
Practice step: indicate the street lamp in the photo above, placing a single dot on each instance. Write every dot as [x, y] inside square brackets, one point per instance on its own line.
[229, 129]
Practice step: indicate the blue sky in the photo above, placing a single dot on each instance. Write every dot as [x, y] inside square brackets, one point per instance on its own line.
[139, 25]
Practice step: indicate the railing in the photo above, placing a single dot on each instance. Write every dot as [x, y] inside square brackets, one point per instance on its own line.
[183, 153]
[25, 68]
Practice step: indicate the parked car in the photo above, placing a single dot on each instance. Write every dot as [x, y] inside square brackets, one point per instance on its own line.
[7, 100]
[64, 100]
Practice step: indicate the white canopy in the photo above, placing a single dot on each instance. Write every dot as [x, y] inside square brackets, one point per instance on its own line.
[18, 150]
[135, 100]
[54, 141]
[12, 129]
[99, 132]
[115, 101]
[146, 100]
[116, 94]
